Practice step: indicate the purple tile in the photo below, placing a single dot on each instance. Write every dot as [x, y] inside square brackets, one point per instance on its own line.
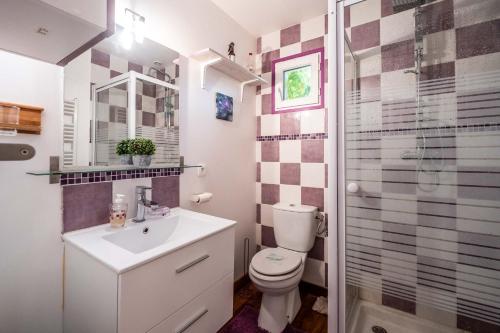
[313, 44]
[86, 205]
[138, 102]
[270, 151]
[259, 45]
[313, 196]
[386, 8]
[258, 173]
[134, 67]
[266, 104]
[289, 123]
[160, 105]
[290, 35]
[103, 96]
[166, 190]
[326, 274]
[148, 119]
[437, 17]
[326, 70]
[258, 89]
[177, 70]
[365, 35]
[398, 56]
[312, 151]
[478, 39]
[318, 250]
[99, 58]
[117, 114]
[268, 238]
[438, 71]
[326, 175]
[113, 74]
[148, 89]
[267, 59]
[398, 303]
[475, 325]
[270, 193]
[290, 173]
[258, 213]
[326, 24]
[258, 126]
[347, 16]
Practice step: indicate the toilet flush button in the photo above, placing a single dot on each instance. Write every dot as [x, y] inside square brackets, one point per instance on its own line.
[352, 188]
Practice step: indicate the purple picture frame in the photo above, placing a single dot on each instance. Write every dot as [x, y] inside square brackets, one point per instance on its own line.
[321, 105]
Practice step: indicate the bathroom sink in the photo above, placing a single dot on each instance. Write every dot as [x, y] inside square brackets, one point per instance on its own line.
[150, 234]
[138, 243]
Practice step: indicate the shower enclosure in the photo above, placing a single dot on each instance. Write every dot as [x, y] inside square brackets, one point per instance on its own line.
[418, 141]
[136, 105]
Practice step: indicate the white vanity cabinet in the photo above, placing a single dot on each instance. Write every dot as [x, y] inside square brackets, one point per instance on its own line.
[187, 290]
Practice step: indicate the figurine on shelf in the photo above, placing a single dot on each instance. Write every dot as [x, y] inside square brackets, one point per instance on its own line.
[230, 51]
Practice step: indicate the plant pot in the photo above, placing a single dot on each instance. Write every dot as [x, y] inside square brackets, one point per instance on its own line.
[141, 160]
[126, 159]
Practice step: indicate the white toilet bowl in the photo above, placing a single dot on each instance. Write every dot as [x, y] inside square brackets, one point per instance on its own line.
[277, 273]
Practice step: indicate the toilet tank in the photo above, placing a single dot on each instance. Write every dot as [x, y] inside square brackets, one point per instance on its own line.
[295, 226]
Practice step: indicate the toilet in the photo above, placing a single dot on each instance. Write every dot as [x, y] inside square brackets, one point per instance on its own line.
[276, 272]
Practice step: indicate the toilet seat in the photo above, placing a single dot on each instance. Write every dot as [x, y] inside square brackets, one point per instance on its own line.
[276, 263]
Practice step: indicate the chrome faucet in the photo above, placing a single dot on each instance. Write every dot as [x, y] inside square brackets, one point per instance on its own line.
[142, 203]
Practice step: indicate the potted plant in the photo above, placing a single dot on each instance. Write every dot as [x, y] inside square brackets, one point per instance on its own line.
[122, 150]
[141, 149]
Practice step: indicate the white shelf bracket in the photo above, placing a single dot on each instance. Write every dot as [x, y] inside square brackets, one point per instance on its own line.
[204, 67]
[242, 87]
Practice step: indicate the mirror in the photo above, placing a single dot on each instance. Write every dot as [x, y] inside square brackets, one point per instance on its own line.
[112, 93]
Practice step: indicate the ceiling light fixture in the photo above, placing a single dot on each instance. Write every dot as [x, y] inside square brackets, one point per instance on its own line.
[134, 28]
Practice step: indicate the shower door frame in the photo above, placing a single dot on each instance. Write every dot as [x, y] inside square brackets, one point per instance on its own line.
[336, 167]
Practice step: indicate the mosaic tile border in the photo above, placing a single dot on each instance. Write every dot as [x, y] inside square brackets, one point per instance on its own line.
[309, 136]
[74, 178]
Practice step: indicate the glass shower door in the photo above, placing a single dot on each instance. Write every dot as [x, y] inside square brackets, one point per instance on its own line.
[422, 166]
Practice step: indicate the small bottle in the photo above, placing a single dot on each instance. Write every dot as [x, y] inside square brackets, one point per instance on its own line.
[118, 211]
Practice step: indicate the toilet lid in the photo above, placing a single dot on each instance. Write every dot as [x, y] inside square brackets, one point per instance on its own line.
[275, 261]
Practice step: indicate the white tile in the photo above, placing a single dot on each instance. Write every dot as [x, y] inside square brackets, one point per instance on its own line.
[291, 49]
[370, 62]
[258, 105]
[397, 85]
[266, 88]
[405, 23]
[99, 74]
[439, 47]
[312, 175]
[365, 11]
[290, 194]
[266, 215]
[312, 121]
[148, 104]
[270, 172]
[314, 272]
[258, 155]
[118, 64]
[477, 64]
[127, 187]
[290, 151]
[118, 97]
[258, 234]
[270, 124]
[271, 41]
[325, 250]
[102, 112]
[312, 28]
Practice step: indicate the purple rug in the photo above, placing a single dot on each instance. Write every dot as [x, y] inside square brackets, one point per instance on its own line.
[246, 322]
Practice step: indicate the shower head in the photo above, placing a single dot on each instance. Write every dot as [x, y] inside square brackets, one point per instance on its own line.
[402, 5]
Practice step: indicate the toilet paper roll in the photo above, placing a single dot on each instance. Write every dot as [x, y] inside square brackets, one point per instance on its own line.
[201, 197]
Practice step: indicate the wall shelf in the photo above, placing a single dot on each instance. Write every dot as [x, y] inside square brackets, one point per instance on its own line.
[30, 118]
[210, 58]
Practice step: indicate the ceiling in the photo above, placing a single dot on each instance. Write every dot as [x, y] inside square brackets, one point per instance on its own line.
[260, 17]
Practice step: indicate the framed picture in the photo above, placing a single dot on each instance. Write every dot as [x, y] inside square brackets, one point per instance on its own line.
[298, 82]
[224, 106]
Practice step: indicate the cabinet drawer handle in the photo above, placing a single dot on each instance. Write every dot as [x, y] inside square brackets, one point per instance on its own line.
[192, 321]
[191, 264]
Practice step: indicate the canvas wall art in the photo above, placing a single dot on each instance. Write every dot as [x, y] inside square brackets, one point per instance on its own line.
[224, 107]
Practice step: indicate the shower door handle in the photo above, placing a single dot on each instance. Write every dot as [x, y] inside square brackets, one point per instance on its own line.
[353, 188]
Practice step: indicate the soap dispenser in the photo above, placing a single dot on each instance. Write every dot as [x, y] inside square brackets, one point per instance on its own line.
[118, 211]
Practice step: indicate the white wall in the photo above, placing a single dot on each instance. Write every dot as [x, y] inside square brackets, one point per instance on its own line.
[30, 215]
[228, 148]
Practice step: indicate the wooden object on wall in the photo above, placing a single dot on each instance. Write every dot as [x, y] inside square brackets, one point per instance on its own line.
[30, 119]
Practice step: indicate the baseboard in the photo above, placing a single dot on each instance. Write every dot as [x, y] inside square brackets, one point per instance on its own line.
[241, 282]
[313, 289]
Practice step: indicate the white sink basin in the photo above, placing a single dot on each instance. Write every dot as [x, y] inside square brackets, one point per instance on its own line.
[137, 243]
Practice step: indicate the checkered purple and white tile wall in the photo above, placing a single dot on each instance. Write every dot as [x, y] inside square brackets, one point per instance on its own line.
[291, 147]
[406, 236]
